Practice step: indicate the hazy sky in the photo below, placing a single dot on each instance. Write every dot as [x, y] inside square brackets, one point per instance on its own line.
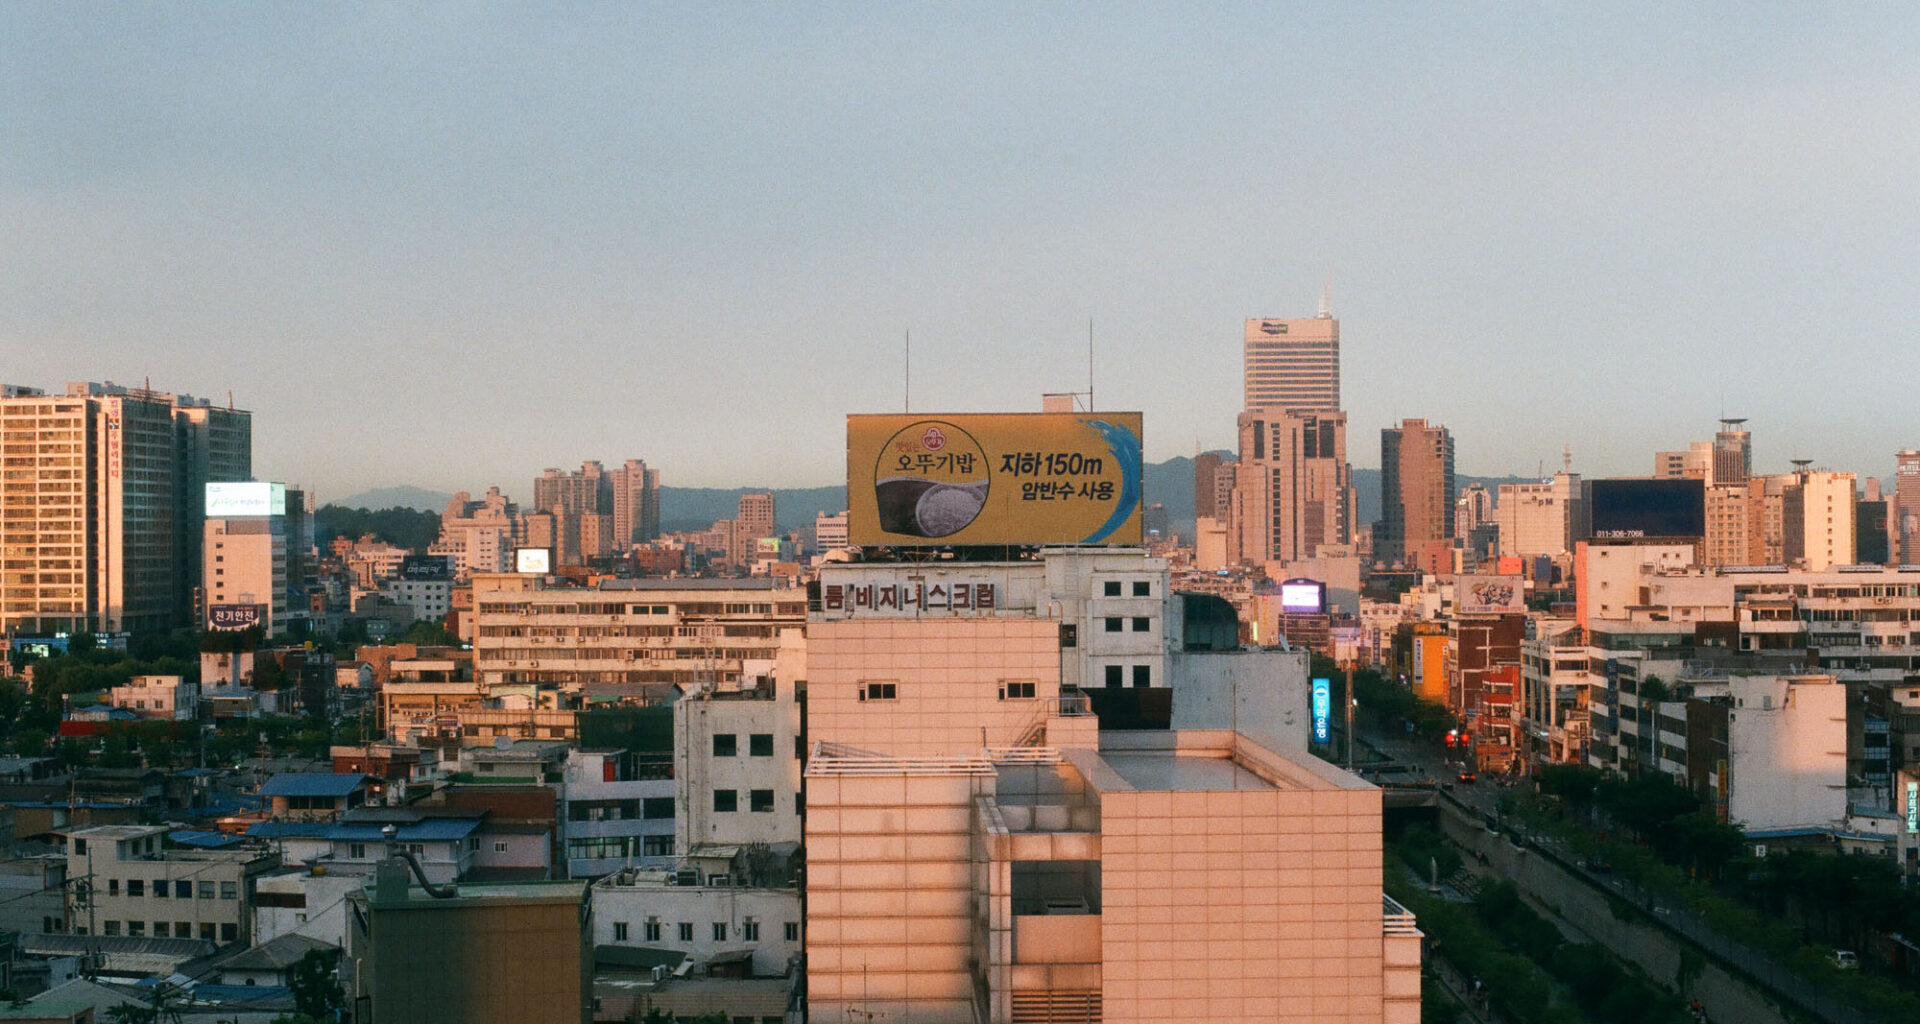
[450, 245]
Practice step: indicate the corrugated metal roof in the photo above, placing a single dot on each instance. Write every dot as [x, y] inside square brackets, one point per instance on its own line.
[334, 784]
[203, 840]
[428, 831]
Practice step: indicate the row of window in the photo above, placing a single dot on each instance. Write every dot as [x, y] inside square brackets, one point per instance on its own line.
[759, 744]
[180, 890]
[726, 801]
[164, 930]
[1141, 623]
[1010, 689]
[653, 807]
[604, 847]
[1141, 588]
[651, 930]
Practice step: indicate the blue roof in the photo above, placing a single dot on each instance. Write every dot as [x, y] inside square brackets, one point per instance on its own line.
[228, 994]
[429, 831]
[204, 840]
[334, 784]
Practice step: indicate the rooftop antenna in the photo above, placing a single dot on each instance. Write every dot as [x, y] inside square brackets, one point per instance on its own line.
[1326, 299]
[1566, 459]
[907, 391]
[1090, 405]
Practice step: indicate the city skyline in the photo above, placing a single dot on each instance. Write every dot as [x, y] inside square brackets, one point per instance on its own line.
[360, 221]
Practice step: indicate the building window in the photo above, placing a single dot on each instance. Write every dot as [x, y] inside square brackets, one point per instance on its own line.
[1112, 588]
[229, 890]
[1114, 622]
[160, 929]
[656, 846]
[726, 801]
[657, 807]
[355, 851]
[719, 931]
[652, 929]
[760, 744]
[160, 888]
[113, 887]
[229, 932]
[760, 800]
[110, 928]
[879, 691]
[206, 890]
[1069, 635]
[183, 890]
[206, 932]
[1142, 588]
[1142, 675]
[499, 847]
[137, 928]
[1142, 623]
[136, 887]
[793, 931]
[686, 931]
[183, 930]
[725, 745]
[1115, 676]
[750, 930]
[1015, 689]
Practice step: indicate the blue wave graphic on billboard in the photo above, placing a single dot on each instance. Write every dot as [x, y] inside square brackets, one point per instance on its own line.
[1125, 446]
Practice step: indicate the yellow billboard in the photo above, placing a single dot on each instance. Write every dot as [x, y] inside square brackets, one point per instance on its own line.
[993, 479]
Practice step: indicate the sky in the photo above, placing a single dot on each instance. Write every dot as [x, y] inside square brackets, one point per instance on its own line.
[448, 245]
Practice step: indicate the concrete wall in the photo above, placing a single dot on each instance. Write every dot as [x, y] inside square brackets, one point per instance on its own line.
[1787, 752]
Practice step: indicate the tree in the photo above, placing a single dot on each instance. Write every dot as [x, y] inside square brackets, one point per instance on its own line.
[316, 991]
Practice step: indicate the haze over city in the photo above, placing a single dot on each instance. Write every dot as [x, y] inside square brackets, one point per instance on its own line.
[449, 246]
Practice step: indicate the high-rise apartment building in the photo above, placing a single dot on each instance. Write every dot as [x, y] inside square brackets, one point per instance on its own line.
[97, 529]
[1818, 519]
[636, 504]
[1293, 364]
[1293, 488]
[1417, 497]
[594, 513]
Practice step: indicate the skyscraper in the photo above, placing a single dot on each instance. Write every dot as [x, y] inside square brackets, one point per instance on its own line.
[1732, 453]
[1293, 364]
[1417, 495]
[1293, 490]
[1905, 510]
[100, 529]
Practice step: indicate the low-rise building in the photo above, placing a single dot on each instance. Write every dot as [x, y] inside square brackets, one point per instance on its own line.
[128, 883]
[166, 697]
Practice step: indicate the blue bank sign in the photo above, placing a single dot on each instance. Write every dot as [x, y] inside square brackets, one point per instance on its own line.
[1322, 710]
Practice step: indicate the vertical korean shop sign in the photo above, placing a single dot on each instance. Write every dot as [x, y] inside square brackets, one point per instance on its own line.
[991, 479]
[1913, 806]
[1322, 710]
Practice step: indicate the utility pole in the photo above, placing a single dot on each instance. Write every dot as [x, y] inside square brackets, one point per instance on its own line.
[1350, 702]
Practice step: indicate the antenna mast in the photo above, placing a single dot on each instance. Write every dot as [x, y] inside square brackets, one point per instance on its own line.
[907, 390]
[1090, 405]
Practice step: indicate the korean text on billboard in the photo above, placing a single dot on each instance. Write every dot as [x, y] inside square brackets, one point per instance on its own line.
[1013, 478]
[1322, 710]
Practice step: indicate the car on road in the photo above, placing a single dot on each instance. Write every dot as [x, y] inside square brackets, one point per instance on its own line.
[1467, 776]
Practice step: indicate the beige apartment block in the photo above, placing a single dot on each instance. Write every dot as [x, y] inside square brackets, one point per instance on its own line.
[627, 637]
[1162, 876]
